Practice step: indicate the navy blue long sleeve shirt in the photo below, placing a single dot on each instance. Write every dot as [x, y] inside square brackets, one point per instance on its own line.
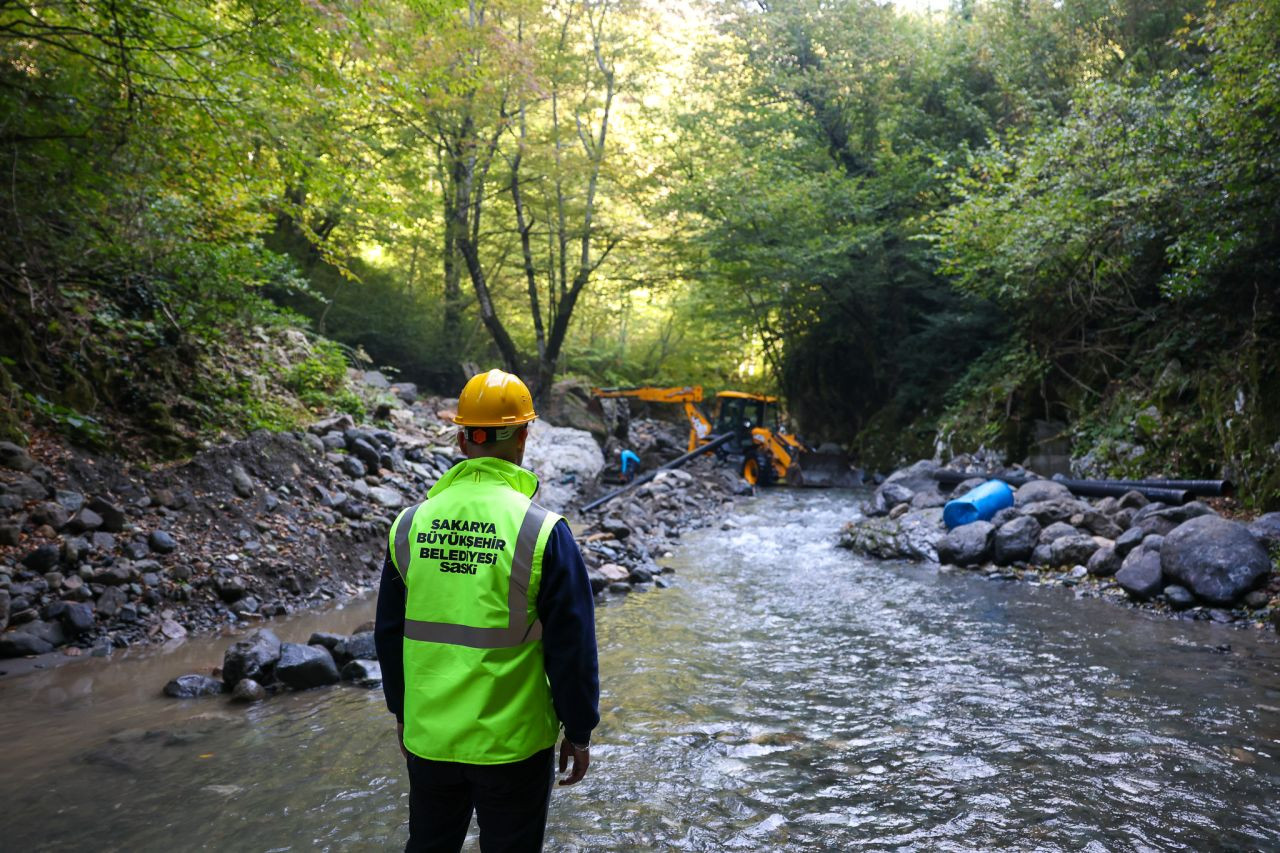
[567, 612]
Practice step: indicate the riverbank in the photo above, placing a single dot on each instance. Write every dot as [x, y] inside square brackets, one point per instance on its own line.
[97, 553]
[1191, 561]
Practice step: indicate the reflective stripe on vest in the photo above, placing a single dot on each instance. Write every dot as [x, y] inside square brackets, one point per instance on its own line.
[516, 633]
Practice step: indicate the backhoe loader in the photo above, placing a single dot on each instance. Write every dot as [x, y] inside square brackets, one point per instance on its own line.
[762, 450]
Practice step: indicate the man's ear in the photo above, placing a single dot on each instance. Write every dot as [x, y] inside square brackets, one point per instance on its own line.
[462, 441]
[524, 435]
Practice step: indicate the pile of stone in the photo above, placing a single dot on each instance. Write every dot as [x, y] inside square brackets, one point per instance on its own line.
[1183, 557]
[96, 553]
[622, 541]
[260, 665]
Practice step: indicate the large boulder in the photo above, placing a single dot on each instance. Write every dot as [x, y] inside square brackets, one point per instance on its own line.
[562, 458]
[1073, 550]
[193, 686]
[1140, 575]
[1129, 540]
[303, 667]
[1056, 509]
[1056, 531]
[253, 657]
[1104, 563]
[912, 536]
[356, 647]
[1015, 540]
[366, 673]
[1266, 529]
[1160, 519]
[1218, 560]
[1036, 491]
[967, 545]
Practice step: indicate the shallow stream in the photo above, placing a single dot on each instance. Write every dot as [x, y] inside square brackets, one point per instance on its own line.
[783, 695]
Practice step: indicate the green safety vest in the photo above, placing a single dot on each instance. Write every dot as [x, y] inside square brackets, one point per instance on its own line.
[476, 689]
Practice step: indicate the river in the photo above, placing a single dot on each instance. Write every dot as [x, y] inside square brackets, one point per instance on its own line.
[782, 695]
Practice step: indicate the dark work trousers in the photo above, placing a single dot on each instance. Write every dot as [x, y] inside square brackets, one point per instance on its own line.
[510, 802]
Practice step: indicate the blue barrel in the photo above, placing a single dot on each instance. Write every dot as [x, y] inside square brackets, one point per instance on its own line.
[980, 503]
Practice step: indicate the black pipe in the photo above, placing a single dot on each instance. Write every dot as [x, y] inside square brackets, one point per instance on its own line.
[716, 441]
[1083, 488]
[1201, 488]
[1116, 489]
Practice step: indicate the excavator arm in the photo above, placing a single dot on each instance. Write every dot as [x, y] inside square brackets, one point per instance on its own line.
[688, 395]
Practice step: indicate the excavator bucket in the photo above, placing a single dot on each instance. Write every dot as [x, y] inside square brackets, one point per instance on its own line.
[826, 468]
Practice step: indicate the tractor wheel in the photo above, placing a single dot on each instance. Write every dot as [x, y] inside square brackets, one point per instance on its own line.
[751, 470]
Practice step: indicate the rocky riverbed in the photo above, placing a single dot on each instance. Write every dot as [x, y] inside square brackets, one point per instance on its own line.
[1187, 560]
[97, 553]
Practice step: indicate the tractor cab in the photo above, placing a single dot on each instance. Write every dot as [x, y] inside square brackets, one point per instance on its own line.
[739, 412]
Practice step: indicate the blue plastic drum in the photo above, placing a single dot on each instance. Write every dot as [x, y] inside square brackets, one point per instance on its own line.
[978, 504]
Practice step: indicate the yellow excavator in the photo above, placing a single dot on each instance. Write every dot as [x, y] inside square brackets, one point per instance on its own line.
[762, 449]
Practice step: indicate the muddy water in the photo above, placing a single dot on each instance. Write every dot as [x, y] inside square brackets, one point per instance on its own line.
[782, 696]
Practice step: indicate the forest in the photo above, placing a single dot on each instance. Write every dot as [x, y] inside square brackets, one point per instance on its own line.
[930, 229]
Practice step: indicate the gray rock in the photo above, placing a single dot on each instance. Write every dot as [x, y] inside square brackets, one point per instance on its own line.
[136, 550]
[302, 667]
[366, 673]
[162, 542]
[1179, 597]
[16, 644]
[640, 575]
[231, 589]
[352, 467]
[928, 498]
[365, 452]
[1129, 540]
[387, 497]
[1097, 523]
[619, 587]
[1257, 599]
[85, 520]
[25, 489]
[1042, 555]
[406, 391]
[1015, 540]
[1057, 509]
[241, 482]
[103, 543]
[1140, 574]
[1132, 500]
[113, 598]
[359, 646]
[113, 518]
[1007, 515]
[615, 526]
[1266, 529]
[967, 545]
[1072, 550]
[50, 632]
[1056, 531]
[1104, 563]
[597, 580]
[1038, 491]
[894, 494]
[72, 502]
[10, 534]
[43, 559]
[333, 441]
[193, 686]
[113, 575]
[313, 443]
[910, 537]
[966, 486]
[77, 618]
[1160, 519]
[4, 608]
[51, 513]
[1216, 559]
[15, 458]
[253, 657]
[248, 690]
[326, 639]
[375, 379]
[1153, 542]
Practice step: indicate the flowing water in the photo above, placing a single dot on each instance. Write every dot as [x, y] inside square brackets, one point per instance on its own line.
[783, 695]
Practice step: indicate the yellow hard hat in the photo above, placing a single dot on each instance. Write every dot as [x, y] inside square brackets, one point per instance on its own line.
[496, 398]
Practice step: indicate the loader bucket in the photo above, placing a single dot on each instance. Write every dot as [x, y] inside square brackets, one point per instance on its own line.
[826, 469]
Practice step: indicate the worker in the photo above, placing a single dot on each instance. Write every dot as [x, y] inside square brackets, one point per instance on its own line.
[630, 463]
[486, 636]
